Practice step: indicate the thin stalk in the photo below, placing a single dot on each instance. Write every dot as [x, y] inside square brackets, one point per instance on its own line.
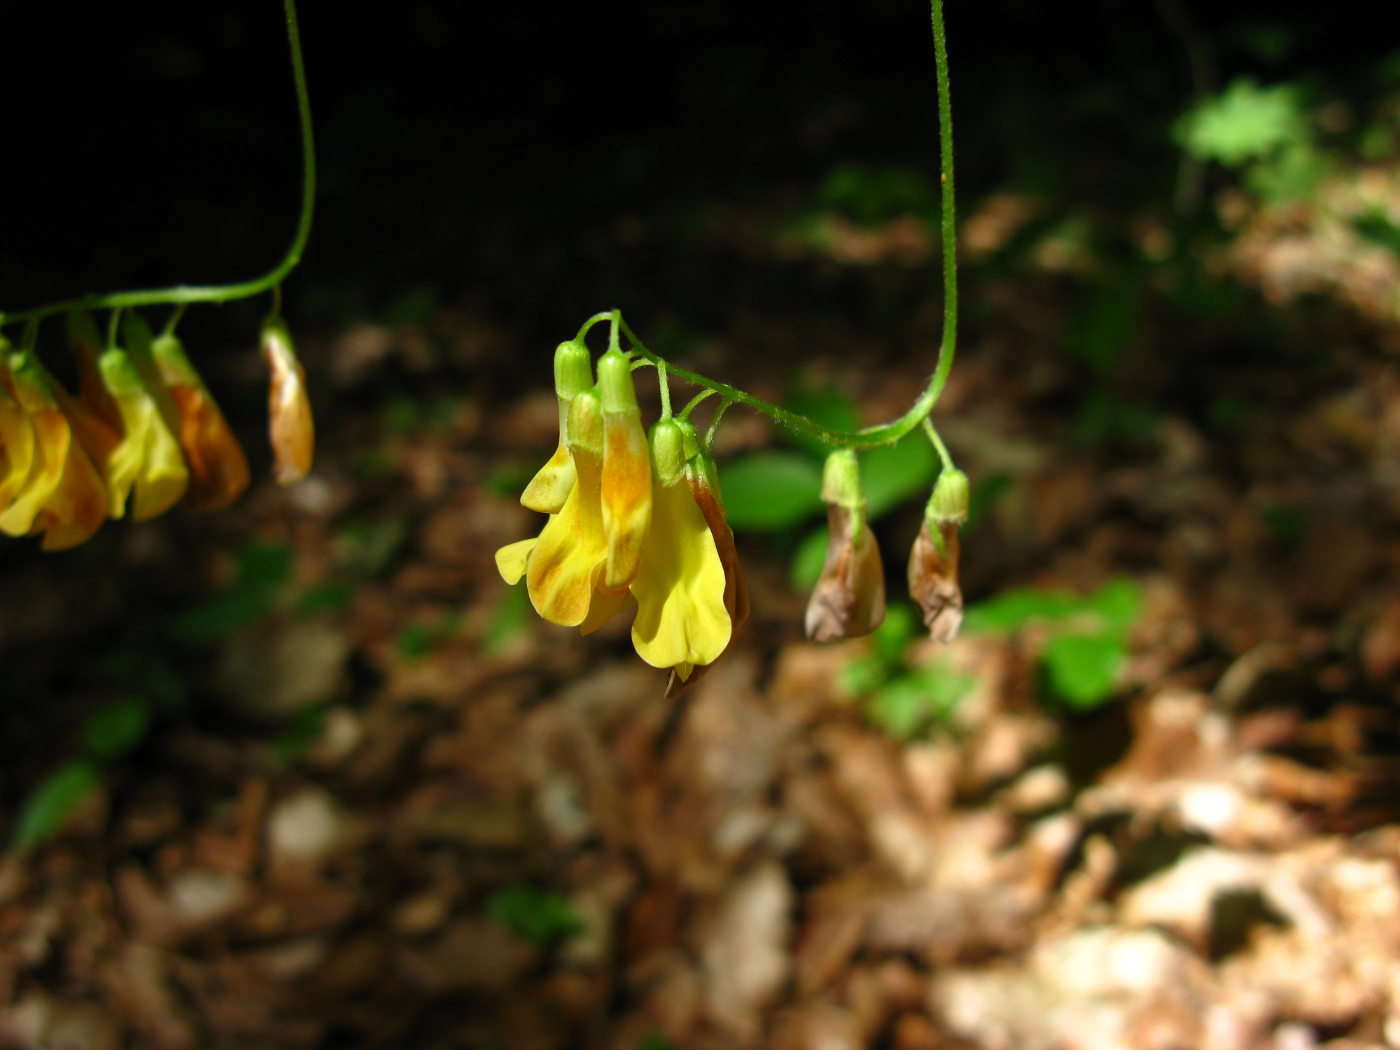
[883, 433]
[221, 293]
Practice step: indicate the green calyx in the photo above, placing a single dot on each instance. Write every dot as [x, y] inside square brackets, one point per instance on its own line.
[841, 480]
[573, 370]
[615, 384]
[948, 504]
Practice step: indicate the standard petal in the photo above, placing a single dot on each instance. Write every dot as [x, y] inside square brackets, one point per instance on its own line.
[626, 496]
[512, 559]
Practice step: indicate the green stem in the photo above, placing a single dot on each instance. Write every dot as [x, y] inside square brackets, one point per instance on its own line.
[694, 402]
[884, 433]
[938, 445]
[221, 293]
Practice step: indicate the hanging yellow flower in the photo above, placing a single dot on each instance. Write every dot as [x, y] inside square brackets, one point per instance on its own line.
[682, 619]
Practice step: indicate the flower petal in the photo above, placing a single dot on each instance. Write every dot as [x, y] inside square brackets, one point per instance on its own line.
[567, 563]
[680, 584]
[512, 559]
[552, 483]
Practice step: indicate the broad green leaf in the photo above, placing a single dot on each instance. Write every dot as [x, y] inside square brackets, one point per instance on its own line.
[894, 473]
[808, 559]
[117, 726]
[52, 800]
[830, 406]
[1081, 671]
[771, 491]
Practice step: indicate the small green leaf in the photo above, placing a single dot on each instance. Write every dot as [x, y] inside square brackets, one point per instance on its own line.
[52, 800]
[863, 675]
[1118, 602]
[117, 726]
[771, 491]
[1013, 610]
[1081, 670]
[1243, 123]
[538, 916]
[893, 636]
[808, 559]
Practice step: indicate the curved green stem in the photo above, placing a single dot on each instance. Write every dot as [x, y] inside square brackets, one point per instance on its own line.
[938, 445]
[883, 433]
[221, 293]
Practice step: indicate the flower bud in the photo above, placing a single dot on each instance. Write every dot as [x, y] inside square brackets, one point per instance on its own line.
[626, 483]
[668, 451]
[573, 372]
[849, 598]
[948, 503]
[290, 426]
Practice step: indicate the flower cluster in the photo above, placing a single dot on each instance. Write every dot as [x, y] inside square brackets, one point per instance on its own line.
[849, 598]
[635, 524]
[140, 434]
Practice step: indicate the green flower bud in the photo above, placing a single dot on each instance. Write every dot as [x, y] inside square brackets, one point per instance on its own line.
[948, 504]
[573, 370]
[668, 451]
[615, 383]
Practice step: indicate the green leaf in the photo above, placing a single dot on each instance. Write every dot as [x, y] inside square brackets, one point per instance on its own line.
[1243, 123]
[117, 726]
[893, 636]
[892, 474]
[771, 491]
[906, 706]
[225, 614]
[50, 803]
[332, 596]
[538, 916]
[1118, 602]
[1081, 670]
[1013, 610]
[808, 560]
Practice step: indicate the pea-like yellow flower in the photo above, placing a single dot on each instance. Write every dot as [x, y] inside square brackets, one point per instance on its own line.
[218, 468]
[563, 567]
[147, 467]
[290, 427]
[62, 496]
[16, 442]
[682, 619]
[549, 488]
[626, 477]
[849, 598]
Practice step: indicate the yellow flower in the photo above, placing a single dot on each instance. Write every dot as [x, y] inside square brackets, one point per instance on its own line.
[146, 466]
[682, 619]
[290, 426]
[849, 598]
[218, 468]
[549, 488]
[17, 442]
[51, 437]
[62, 497]
[564, 567]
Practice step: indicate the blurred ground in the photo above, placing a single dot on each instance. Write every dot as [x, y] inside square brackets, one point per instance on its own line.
[371, 802]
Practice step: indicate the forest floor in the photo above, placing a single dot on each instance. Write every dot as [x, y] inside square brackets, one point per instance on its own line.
[380, 805]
